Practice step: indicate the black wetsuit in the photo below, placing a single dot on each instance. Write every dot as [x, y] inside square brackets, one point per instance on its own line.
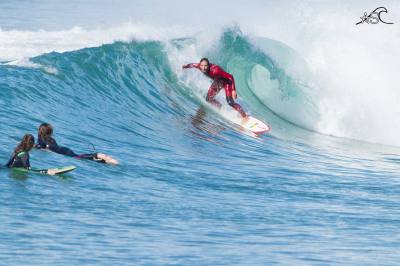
[52, 145]
[21, 160]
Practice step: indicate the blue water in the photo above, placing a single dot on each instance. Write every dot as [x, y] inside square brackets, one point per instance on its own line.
[191, 187]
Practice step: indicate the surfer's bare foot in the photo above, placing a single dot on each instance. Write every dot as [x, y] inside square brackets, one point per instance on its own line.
[111, 160]
[107, 159]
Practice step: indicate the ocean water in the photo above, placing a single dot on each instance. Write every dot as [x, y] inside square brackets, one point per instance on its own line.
[192, 188]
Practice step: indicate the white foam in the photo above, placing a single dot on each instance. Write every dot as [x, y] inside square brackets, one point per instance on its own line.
[26, 62]
[354, 69]
[16, 45]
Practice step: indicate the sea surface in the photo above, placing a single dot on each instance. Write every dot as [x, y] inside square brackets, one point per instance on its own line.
[192, 187]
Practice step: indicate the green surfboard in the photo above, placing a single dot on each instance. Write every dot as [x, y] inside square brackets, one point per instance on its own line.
[58, 171]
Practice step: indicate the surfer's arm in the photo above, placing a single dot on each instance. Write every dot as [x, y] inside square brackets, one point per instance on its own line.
[65, 151]
[53, 146]
[191, 65]
[25, 161]
[20, 160]
[219, 72]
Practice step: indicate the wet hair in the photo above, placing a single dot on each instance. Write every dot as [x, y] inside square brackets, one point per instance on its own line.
[45, 131]
[26, 143]
[205, 59]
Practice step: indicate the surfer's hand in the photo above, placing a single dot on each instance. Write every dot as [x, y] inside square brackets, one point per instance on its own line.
[51, 172]
[185, 66]
[234, 95]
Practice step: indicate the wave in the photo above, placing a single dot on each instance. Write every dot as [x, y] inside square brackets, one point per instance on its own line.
[276, 82]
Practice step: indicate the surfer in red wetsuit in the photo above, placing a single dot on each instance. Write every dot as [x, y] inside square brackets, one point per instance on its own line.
[221, 79]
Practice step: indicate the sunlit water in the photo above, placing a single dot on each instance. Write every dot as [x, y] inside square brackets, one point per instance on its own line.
[192, 188]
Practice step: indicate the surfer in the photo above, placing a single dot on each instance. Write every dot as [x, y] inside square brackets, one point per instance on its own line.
[221, 79]
[46, 141]
[20, 156]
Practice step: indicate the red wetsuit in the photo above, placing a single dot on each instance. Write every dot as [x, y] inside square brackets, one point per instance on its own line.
[221, 79]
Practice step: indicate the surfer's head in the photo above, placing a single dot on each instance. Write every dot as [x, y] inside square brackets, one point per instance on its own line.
[204, 65]
[45, 131]
[26, 143]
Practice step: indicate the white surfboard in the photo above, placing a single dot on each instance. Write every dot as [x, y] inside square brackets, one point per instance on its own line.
[252, 124]
[256, 126]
